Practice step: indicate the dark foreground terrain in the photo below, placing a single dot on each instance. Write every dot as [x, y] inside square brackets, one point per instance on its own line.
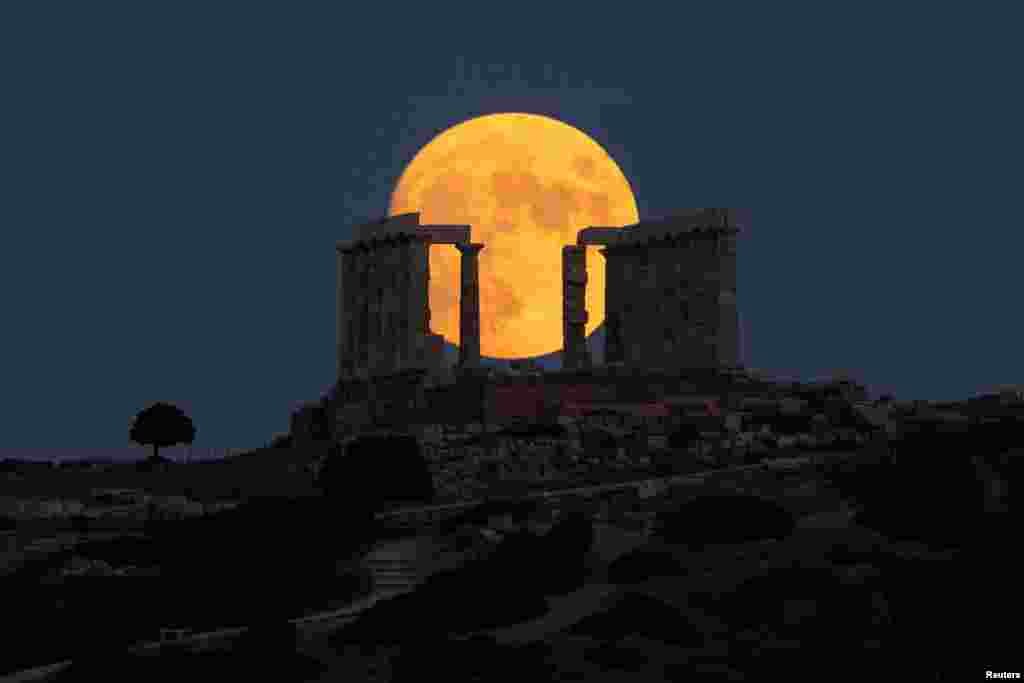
[857, 568]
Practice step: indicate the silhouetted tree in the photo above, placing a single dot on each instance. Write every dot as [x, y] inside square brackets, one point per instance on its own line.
[162, 424]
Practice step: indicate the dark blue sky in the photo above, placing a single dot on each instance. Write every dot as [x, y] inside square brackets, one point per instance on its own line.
[174, 180]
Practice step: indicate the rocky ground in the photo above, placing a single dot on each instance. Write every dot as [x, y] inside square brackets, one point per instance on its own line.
[829, 597]
[570, 641]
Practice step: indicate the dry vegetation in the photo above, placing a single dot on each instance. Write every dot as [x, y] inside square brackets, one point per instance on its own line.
[265, 472]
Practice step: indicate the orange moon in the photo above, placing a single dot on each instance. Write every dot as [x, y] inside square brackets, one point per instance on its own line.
[526, 184]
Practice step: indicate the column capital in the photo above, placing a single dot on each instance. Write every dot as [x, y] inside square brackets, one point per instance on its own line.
[469, 248]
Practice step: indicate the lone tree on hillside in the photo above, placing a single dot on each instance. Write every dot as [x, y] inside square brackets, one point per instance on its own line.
[162, 424]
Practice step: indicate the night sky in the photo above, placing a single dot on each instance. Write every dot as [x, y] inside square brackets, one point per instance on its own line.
[174, 181]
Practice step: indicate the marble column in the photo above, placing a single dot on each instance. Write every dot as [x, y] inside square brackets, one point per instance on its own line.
[354, 313]
[373, 315]
[727, 346]
[469, 306]
[361, 352]
[402, 280]
[341, 328]
[574, 308]
[613, 352]
[417, 301]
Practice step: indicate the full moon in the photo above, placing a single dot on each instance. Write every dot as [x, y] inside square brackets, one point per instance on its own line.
[526, 184]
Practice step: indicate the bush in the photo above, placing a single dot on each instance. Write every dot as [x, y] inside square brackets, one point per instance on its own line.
[460, 601]
[642, 615]
[513, 565]
[642, 564]
[724, 519]
[760, 600]
[617, 657]
[478, 658]
[479, 514]
[947, 505]
[571, 537]
[376, 472]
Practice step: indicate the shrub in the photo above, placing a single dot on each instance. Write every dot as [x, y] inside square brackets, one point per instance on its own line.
[724, 519]
[760, 600]
[617, 658]
[642, 615]
[947, 501]
[376, 472]
[476, 658]
[572, 536]
[642, 564]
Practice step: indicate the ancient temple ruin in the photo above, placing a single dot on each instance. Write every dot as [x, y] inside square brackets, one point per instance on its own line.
[383, 318]
[670, 300]
[670, 293]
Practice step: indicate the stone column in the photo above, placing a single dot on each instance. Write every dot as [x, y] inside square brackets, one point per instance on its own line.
[418, 301]
[402, 304]
[361, 352]
[389, 310]
[353, 278]
[727, 344]
[574, 308]
[373, 314]
[345, 312]
[469, 306]
[613, 352]
[339, 324]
